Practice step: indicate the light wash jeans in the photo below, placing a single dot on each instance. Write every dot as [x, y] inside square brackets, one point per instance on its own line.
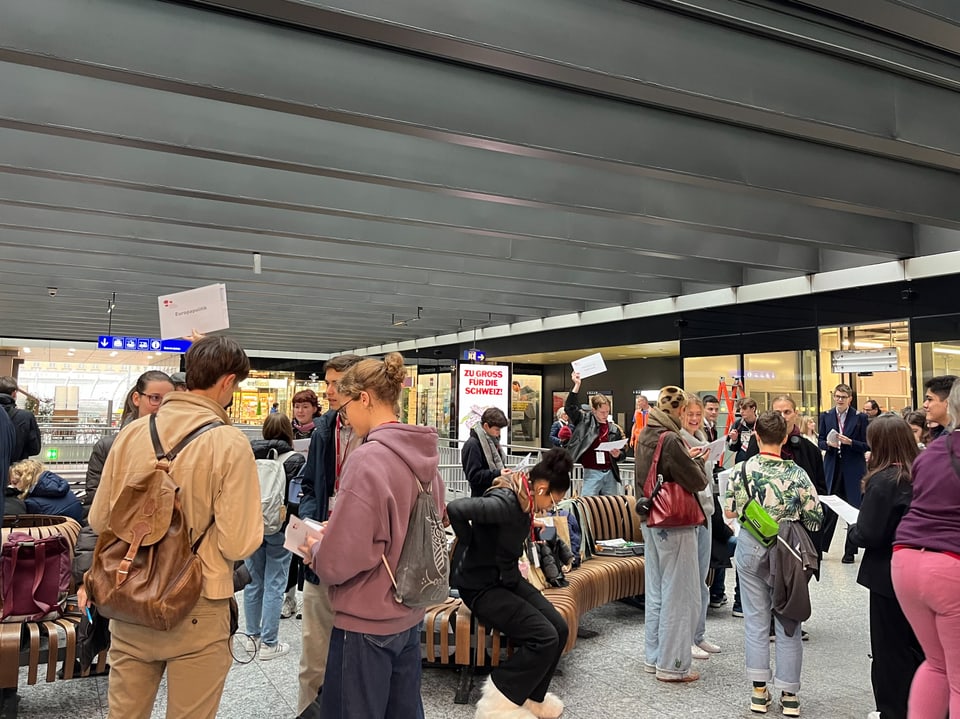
[757, 599]
[672, 598]
[704, 544]
[598, 481]
[263, 597]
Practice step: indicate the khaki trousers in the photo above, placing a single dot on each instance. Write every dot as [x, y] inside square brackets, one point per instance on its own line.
[195, 655]
[317, 625]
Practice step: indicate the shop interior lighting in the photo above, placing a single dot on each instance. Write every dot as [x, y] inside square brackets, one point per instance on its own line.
[257, 268]
[947, 350]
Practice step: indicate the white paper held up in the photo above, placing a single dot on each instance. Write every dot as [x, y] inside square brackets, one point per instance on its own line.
[297, 532]
[716, 450]
[833, 438]
[607, 446]
[590, 365]
[203, 309]
[847, 513]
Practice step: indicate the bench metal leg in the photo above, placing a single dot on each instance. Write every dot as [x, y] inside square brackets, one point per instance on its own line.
[9, 703]
[464, 685]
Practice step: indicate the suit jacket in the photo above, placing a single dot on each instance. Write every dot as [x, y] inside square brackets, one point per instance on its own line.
[845, 466]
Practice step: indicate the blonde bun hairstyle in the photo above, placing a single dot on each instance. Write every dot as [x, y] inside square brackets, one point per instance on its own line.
[381, 378]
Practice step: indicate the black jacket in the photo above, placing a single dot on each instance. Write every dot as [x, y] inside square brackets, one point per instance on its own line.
[478, 473]
[7, 439]
[884, 504]
[319, 474]
[98, 458]
[491, 531]
[27, 442]
[291, 465]
[742, 451]
[585, 429]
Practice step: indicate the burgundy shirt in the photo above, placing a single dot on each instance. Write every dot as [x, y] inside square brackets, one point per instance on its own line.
[589, 458]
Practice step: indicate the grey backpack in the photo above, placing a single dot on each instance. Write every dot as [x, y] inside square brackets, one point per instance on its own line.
[422, 578]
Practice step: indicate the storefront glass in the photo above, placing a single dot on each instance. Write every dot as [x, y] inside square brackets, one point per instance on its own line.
[258, 393]
[768, 374]
[935, 359]
[891, 390]
[525, 409]
[430, 401]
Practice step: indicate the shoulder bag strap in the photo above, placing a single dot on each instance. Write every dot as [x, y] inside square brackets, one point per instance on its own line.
[171, 455]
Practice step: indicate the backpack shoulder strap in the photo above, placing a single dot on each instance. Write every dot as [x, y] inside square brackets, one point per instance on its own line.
[172, 454]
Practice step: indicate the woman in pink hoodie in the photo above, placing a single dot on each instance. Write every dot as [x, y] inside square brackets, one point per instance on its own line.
[373, 667]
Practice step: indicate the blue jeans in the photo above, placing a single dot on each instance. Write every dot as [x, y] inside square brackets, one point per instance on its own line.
[599, 481]
[372, 676]
[263, 597]
[672, 602]
[718, 588]
[757, 598]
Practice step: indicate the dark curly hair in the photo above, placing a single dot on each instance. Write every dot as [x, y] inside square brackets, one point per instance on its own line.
[555, 468]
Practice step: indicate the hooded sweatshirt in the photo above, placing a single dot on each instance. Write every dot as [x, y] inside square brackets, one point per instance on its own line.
[378, 488]
[51, 495]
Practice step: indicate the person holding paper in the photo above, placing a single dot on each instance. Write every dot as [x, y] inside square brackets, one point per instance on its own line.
[373, 667]
[671, 570]
[844, 463]
[332, 442]
[739, 437]
[926, 572]
[482, 456]
[492, 532]
[587, 431]
[887, 492]
[694, 437]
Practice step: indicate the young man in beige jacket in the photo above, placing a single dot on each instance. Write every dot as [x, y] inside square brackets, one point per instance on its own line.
[220, 499]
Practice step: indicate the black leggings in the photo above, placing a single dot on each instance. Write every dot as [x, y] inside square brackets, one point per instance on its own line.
[535, 628]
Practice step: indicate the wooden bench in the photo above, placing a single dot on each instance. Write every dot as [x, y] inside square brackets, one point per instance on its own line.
[453, 637]
[31, 644]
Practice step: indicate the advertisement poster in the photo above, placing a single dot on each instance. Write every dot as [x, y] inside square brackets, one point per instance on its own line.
[480, 387]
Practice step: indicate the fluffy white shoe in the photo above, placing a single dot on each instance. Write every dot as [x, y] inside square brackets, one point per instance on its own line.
[550, 708]
[494, 705]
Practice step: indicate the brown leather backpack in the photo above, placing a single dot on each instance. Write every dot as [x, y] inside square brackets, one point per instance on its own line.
[144, 570]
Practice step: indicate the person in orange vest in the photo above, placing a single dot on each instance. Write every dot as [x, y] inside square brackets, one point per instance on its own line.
[639, 419]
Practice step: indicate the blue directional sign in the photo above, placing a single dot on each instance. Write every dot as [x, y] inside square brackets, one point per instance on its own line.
[143, 344]
[474, 355]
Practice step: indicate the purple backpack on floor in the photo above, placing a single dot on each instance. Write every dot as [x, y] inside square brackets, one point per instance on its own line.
[34, 577]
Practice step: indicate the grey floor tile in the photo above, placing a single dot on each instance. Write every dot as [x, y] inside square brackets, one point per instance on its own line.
[602, 678]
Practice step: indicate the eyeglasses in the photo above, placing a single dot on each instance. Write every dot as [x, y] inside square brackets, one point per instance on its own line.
[841, 397]
[342, 412]
[153, 399]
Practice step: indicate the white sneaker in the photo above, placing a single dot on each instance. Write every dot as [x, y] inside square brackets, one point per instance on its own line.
[250, 645]
[873, 715]
[709, 647]
[277, 650]
[698, 653]
[289, 606]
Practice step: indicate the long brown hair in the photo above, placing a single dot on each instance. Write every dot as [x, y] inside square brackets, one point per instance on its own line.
[892, 444]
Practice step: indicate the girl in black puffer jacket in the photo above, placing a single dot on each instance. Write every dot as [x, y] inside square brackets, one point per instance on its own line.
[492, 531]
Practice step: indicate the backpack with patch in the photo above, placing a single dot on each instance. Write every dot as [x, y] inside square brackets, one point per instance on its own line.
[422, 578]
[273, 490]
[145, 570]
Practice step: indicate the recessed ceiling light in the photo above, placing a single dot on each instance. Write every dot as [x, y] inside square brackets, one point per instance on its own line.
[26, 350]
[114, 354]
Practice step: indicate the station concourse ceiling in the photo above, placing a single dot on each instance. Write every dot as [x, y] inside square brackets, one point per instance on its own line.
[415, 169]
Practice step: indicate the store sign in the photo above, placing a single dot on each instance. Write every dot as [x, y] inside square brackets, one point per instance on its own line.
[474, 355]
[481, 387]
[143, 344]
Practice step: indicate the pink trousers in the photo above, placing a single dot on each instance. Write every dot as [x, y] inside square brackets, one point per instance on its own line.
[928, 588]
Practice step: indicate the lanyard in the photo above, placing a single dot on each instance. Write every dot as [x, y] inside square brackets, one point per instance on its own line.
[339, 459]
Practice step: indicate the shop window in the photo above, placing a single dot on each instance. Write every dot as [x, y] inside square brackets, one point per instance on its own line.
[935, 359]
[525, 409]
[891, 390]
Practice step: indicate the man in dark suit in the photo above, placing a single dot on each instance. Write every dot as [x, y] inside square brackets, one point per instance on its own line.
[844, 463]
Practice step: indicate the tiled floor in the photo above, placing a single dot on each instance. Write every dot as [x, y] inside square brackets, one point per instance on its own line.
[602, 677]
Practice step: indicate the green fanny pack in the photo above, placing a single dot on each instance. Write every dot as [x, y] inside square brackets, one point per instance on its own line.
[755, 519]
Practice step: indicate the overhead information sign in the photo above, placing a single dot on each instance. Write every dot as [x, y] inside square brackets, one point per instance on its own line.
[143, 344]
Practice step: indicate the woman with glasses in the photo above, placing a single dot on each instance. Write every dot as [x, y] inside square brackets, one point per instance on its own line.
[373, 665]
[492, 531]
[143, 400]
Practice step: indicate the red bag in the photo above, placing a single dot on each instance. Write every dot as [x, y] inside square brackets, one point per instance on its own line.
[670, 504]
[34, 577]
